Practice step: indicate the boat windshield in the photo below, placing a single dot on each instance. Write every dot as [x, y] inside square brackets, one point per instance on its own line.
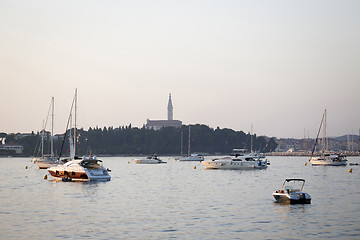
[91, 164]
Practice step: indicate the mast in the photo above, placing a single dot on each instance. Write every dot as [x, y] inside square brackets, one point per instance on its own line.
[251, 139]
[52, 128]
[189, 143]
[42, 139]
[317, 136]
[71, 145]
[324, 140]
[181, 144]
[75, 99]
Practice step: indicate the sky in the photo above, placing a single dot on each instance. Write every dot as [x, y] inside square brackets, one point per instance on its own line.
[273, 65]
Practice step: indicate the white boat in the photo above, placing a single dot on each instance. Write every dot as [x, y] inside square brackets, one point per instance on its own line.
[326, 158]
[190, 157]
[81, 170]
[237, 162]
[289, 193]
[149, 160]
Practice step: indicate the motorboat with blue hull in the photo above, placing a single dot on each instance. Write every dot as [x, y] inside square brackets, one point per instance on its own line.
[290, 194]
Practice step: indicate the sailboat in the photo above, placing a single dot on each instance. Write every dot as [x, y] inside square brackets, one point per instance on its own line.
[47, 160]
[190, 157]
[82, 169]
[326, 158]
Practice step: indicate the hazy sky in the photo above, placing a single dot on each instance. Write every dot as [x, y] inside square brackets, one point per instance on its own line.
[274, 64]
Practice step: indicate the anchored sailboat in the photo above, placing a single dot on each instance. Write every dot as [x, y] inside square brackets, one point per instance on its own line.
[190, 157]
[326, 158]
[47, 160]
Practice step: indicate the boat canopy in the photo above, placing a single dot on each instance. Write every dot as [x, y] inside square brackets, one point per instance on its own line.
[294, 179]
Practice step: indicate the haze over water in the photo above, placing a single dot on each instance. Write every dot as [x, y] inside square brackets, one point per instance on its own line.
[174, 200]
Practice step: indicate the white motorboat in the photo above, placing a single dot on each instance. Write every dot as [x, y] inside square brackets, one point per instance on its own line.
[81, 170]
[149, 160]
[326, 158]
[291, 194]
[238, 162]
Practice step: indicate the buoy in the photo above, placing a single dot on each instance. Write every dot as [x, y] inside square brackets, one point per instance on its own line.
[194, 167]
[45, 177]
[305, 164]
[129, 162]
[26, 167]
[350, 170]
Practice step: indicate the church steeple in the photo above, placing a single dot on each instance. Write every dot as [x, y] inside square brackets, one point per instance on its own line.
[170, 108]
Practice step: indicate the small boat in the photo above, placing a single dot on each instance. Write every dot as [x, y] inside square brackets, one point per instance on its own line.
[290, 194]
[81, 170]
[192, 157]
[149, 160]
[238, 162]
[326, 158]
[354, 164]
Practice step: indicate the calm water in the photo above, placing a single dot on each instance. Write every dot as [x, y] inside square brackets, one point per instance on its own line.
[174, 200]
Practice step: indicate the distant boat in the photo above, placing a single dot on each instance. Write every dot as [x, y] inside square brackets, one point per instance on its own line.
[291, 194]
[47, 160]
[190, 157]
[237, 162]
[326, 158]
[79, 169]
[149, 160]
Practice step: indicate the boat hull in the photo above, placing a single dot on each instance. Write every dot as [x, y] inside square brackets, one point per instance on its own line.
[243, 165]
[297, 198]
[327, 163]
[45, 165]
[192, 159]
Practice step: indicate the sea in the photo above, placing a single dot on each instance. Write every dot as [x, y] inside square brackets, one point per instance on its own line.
[179, 200]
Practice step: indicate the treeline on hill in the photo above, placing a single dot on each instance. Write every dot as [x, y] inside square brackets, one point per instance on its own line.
[134, 141]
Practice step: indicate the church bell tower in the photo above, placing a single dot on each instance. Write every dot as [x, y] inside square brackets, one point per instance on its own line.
[170, 108]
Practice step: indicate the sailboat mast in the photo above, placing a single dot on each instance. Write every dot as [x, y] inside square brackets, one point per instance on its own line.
[324, 141]
[251, 139]
[42, 139]
[52, 128]
[181, 144]
[75, 122]
[189, 143]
